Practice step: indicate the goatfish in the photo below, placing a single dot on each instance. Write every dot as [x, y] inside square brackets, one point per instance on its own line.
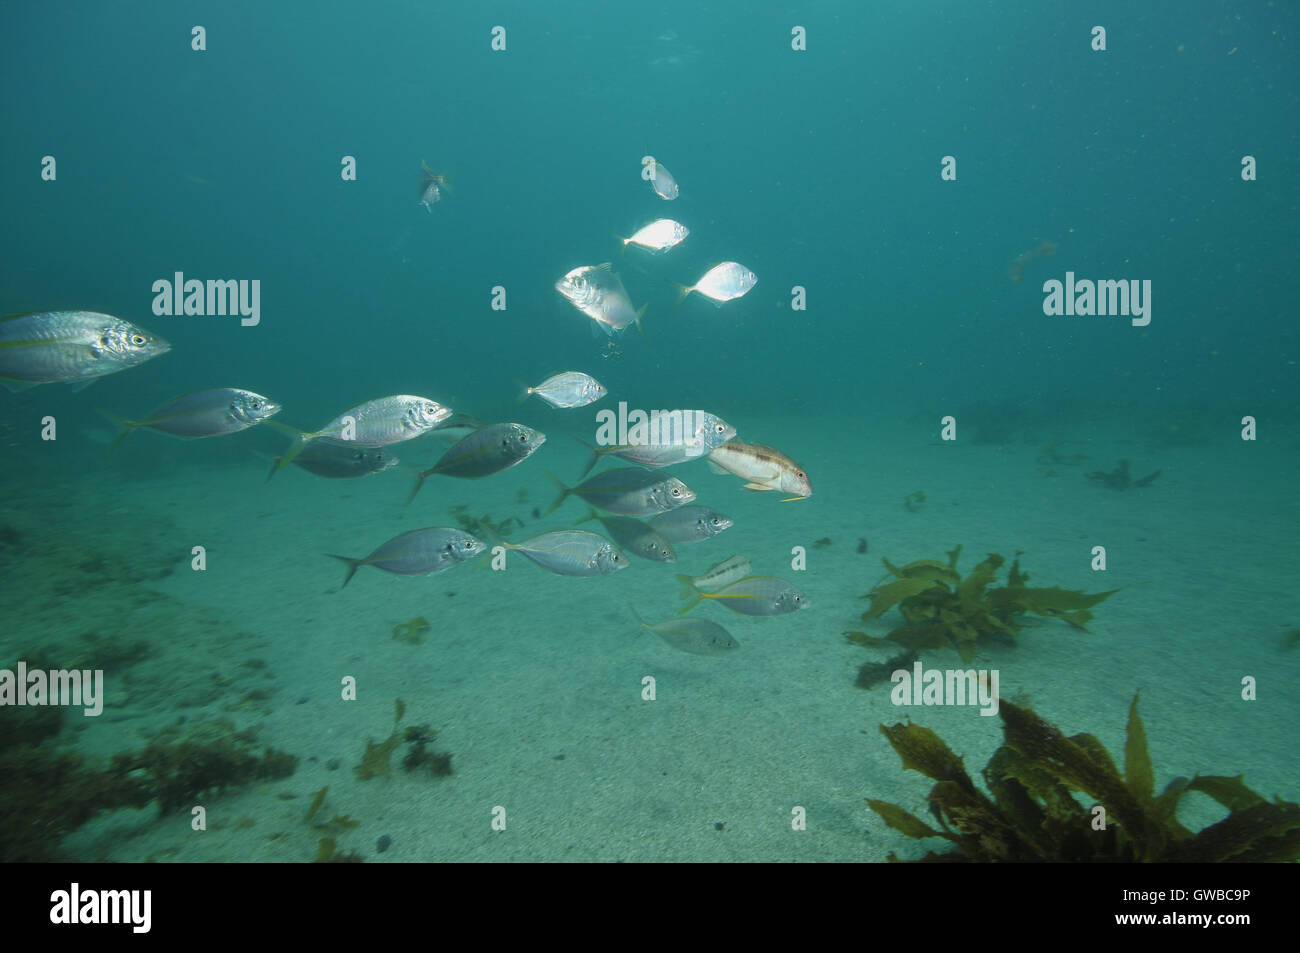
[753, 595]
[566, 389]
[572, 552]
[762, 467]
[628, 491]
[376, 423]
[635, 537]
[73, 347]
[204, 413]
[339, 461]
[421, 552]
[697, 636]
[720, 575]
[483, 453]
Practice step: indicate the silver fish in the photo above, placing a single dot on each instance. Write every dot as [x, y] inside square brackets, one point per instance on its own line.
[599, 293]
[567, 389]
[690, 524]
[572, 552]
[376, 423]
[456, 428]
[720, 575]
[667, 438]
[723, 282]
[338, 461]
[660, 235]
[204, 413]
[431, 186]
[485, 452]
[753, 595]
[697, 636]
[763, 467]
[662, 181]
[418, 553]
[629, 491]
[76, 347]
[635, 537]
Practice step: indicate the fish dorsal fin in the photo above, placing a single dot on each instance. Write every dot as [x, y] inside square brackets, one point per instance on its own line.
[606, 266]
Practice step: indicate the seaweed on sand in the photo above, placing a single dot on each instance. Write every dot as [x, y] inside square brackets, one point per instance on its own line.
[1034, 816]
[941, 609]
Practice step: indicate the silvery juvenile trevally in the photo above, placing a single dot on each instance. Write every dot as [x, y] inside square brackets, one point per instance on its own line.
[456, 428]
[485, 452]
[690, 524]
[723, 282]
[376, 423]
[636, 537]
[420, 552]
[431, 186]
[566, 389]
[662, 181]
[660, 235]
[663, 439]
[599, 293]
[697, 636]
[339, 461]
[204, 413]
[629, 491]
[572, 552]
[763, 468]
[74, 347]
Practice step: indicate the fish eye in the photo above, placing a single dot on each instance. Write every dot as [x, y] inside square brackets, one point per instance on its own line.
[676, 492]
[718, 428]
[715, 521]
[139, 340]
[523, 438]
[800, 474]
[255, 404]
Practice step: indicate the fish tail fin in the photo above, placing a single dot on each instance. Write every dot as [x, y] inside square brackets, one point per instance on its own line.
[640, 313]
[353, 566]
[640, 621]
[596, 454]
[563, 494]
[591, 515]
[682, 292]
[300, 440]
[524, 391]
[419, 482]
[691, 594]
[127, 427]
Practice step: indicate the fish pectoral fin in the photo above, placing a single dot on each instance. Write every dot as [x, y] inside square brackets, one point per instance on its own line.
[78, 386]
[757, 487]
[15, 387]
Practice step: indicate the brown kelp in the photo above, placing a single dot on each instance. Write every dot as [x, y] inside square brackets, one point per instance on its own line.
[1033, 814]
[941, 609]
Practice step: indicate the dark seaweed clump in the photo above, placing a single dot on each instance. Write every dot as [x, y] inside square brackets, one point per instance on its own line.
[49, 793]
[1034, 816]
[941, 609]
[375, 760]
